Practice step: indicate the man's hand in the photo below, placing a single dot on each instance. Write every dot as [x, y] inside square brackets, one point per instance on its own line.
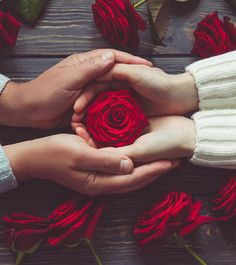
[71, 162]
[47, 101]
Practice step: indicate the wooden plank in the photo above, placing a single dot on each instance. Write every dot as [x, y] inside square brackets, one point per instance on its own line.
[67, 28]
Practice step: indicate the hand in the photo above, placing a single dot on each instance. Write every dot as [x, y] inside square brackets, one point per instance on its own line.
[47, 101]
[162, 93]
[70, 161]
[166, 138]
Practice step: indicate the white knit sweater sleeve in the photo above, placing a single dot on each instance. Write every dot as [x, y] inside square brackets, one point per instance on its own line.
[215, 79]
[7, 178]
[215, 138]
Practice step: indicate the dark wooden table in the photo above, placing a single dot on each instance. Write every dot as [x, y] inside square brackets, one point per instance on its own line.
[67, 27]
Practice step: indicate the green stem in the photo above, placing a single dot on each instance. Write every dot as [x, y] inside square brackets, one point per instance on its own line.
[181, 243]
[19, 257]
[90, 245]
[138, 4]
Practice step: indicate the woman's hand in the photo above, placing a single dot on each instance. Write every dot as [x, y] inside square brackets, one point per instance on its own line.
[47, 101]
[70, 161]
[166, 138]
[161, 93]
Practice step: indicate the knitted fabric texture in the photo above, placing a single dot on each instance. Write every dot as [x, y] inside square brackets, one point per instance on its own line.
[215, 79]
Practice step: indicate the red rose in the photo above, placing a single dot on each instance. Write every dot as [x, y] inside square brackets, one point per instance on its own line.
[9, 28]
[115, 119]
[175, 214]
[23, 231]
[224, 204]
[74, 220]
[214, 37]
[118, 22]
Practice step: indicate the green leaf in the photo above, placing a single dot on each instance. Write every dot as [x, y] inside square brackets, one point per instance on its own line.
[159, 13]
[232, 3]
[29, 10]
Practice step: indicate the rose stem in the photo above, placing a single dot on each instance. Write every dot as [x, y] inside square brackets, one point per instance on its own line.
[90, 245]
[138, 4]
[19, 257]
[180, 242]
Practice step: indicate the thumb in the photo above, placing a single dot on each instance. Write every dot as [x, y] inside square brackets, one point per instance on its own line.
[108, 162]
[93, 67]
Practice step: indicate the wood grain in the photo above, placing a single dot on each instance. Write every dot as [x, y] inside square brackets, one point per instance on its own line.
[114, 240]
[67, 27]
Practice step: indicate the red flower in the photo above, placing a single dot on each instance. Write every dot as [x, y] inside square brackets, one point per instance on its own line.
[115, 118]
[175, 214]
[9, 28]
[118, 22]
[214, 37]
[74, 220]
[23, 231]
[225, 201]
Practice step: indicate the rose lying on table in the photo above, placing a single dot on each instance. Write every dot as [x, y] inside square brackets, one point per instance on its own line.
[70, 224]
[115, 118]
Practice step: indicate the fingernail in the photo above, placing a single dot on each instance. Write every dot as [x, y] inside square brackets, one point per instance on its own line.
[125, 166]
[108, 56]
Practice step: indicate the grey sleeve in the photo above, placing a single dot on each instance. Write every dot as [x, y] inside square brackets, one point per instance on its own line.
[7, 178]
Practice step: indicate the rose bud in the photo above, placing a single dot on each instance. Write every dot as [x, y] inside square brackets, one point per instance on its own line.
[9, 29]
[74, 220]
[175, 214]
[214, 37]
[24, 233]
[115, 119]
[118, 22]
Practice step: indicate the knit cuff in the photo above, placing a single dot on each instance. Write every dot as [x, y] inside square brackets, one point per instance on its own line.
[3, 81]
[215, 79]
[215, 139]
[7, 178]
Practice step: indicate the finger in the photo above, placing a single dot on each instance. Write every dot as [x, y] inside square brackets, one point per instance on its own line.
[120, 57]
[127, 150]
[89, 93]
[107, 162]
[77, 117]
[82, 132]
[140, 177]
[123, 72]
[93, 67]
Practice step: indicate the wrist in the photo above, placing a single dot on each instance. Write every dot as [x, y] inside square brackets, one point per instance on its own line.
[20, 156]
[185, 92]
[12, 107]
[189, 138]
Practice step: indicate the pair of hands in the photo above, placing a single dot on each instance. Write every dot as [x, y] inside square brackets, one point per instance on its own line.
[165, 99]
[49, 102]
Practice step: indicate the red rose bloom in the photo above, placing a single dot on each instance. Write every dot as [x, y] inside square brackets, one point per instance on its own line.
[9, 28]
[224, 204]
[118, 22]
[214, 37]
[74, 220]
[23, 231]
[175, 214]
[115, 119]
